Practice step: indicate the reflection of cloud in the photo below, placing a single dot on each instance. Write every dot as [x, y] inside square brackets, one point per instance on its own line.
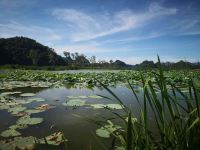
[86, 26]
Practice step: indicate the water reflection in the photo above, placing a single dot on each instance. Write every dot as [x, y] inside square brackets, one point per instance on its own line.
[78, 130]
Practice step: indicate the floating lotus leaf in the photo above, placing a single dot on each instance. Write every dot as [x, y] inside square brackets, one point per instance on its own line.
[24, 101]
[77, 97]
[10, 133]
[13, 127]
[16, 110]
[2, 100]
[36, 99]
[106, 130]
[98, 106]
[95, 97]
[33, 111]
[4, 106]
[24, 142]
[82, 96]
[6, 146]
[53, 139]
[75, 102]
[27, 94]
[12, 103]
[110, 106]
[10, 93]
[19, 143]
[114, 106]
[23, 122]
[102, 132]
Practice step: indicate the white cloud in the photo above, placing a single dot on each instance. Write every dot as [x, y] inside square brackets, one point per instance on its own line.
[43, 34]
[91, 47]
[86, 26]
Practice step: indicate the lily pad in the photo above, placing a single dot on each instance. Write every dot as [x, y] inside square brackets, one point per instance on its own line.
[75, 102]
[95, 96]
[10, 93]
[16, 110]
[106, 130]
[33, 111]
[77, 97]
[36, 99]
[53, 139]
[24, 101]
[114, 106]
[4, 107]
[6, 146]
[110, 106]
[12, 103]
[10, 133]
[27, 94]
[98, 106]
[24, 142]
[23, 122]
[18, 143]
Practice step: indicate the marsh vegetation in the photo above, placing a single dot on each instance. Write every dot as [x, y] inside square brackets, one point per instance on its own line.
[104, 110]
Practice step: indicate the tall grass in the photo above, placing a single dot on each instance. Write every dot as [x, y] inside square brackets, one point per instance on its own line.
[177, 122]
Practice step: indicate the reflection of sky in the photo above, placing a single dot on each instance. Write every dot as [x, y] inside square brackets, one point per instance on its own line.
[130, 30]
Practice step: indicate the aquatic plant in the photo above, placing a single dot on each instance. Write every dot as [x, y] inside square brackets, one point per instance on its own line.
[176, 115]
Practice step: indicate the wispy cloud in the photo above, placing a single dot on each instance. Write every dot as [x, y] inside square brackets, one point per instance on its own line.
[91, 47]
[85, 26]
[43, 34]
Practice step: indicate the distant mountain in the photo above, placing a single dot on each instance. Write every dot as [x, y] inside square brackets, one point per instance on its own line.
[121, 64]
[26, 51]
[168, 65]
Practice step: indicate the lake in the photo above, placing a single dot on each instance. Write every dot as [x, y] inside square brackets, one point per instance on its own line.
[78, 130]
[75, 110]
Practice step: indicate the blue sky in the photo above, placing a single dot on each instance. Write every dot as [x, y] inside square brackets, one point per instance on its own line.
[129, 30]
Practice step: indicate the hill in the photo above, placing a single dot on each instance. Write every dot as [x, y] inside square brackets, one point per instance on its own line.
[28, 52]
[25, 51]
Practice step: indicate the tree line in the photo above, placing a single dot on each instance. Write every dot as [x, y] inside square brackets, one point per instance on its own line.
[28, 52]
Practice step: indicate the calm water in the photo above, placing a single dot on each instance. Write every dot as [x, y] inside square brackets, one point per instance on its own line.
[78, 130]
[86, 71]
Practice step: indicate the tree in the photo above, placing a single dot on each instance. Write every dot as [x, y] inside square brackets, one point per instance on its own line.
[68, 58]
[33, 54]
[92, 59]
[81, 60]
[111, 61]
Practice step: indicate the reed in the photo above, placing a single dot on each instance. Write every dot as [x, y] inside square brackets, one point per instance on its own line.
[176, 115]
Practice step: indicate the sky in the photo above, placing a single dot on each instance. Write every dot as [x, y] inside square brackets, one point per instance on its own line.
[129, 30]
